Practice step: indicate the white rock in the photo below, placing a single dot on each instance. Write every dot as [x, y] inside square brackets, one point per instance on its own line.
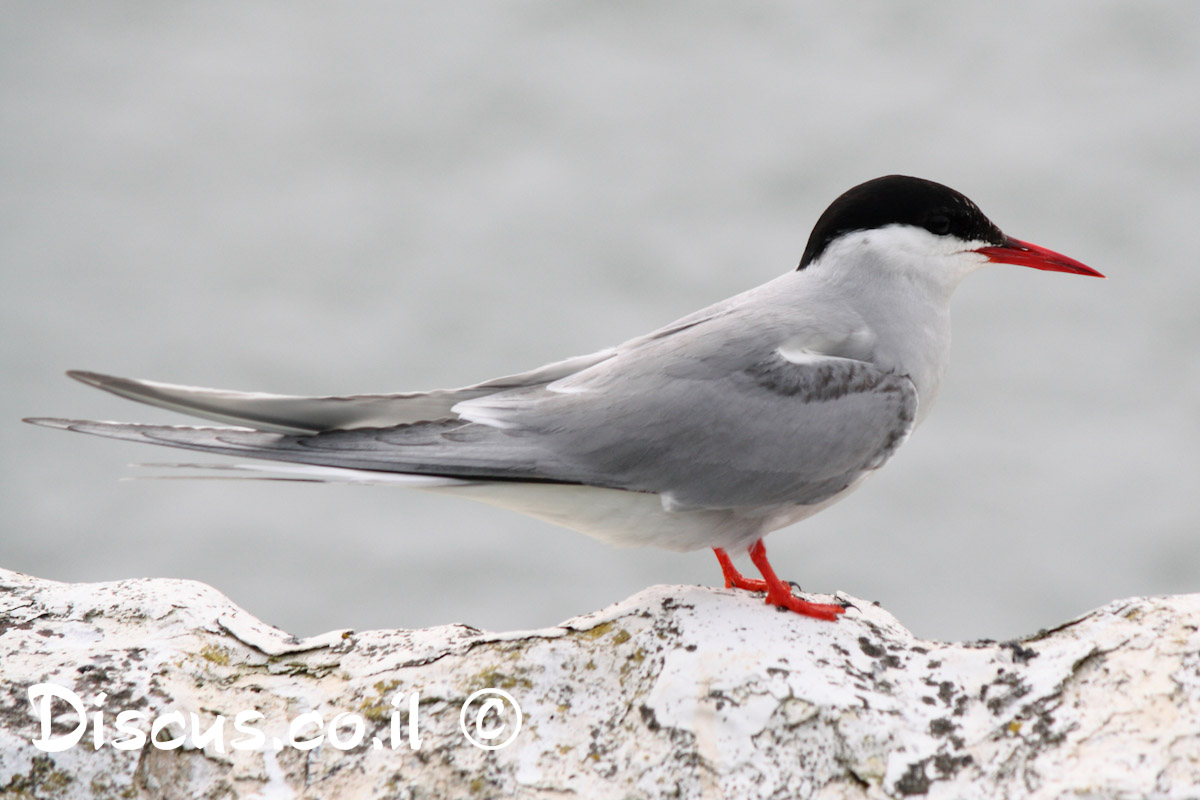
[676, 692]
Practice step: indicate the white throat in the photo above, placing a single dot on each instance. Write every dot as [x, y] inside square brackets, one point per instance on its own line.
[899, 280]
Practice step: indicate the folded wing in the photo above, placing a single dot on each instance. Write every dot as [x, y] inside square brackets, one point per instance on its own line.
[724, 411]
[293, 414]
[727, 426]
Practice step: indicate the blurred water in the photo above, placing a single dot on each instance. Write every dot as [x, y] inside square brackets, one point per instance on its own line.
[315, 198]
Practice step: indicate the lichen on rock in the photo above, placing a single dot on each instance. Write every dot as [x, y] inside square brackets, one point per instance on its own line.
[676, 691]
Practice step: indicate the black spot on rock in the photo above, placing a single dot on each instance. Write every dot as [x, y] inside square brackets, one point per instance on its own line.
[870, 648]
[948, 765]
[648, 717]
[914, 780]
[1021, 655]
[941, 727]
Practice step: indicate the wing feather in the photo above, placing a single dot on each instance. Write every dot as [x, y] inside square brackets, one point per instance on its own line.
[728, 408]
[716, 416]
[295, 414]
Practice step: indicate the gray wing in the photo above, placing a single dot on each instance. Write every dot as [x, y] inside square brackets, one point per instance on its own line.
[446, 448]
[714, 419]
[295, 414]
[768, 432]
[714, 411]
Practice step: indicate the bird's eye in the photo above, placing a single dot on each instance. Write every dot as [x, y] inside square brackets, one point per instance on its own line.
[938, 224]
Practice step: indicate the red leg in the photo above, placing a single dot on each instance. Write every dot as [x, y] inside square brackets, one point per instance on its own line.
[735, 579]
[780, 594]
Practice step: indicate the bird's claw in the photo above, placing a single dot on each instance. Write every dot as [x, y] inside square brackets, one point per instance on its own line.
[789, 602]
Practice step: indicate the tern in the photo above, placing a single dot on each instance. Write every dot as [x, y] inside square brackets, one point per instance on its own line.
[732, 422]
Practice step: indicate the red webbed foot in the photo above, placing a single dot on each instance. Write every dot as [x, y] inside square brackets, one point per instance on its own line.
[779, 594]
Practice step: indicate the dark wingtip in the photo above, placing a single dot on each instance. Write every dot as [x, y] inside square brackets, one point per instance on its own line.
[50, 422]
[90, 378]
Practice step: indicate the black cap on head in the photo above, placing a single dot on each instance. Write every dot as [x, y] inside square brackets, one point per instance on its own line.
[901, 200]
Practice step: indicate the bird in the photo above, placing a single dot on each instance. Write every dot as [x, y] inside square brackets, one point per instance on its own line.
[732, 422]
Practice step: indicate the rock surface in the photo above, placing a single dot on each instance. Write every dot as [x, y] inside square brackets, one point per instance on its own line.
[678, 691]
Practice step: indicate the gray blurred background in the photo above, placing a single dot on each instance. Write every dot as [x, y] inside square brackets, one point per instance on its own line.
[337, 198]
